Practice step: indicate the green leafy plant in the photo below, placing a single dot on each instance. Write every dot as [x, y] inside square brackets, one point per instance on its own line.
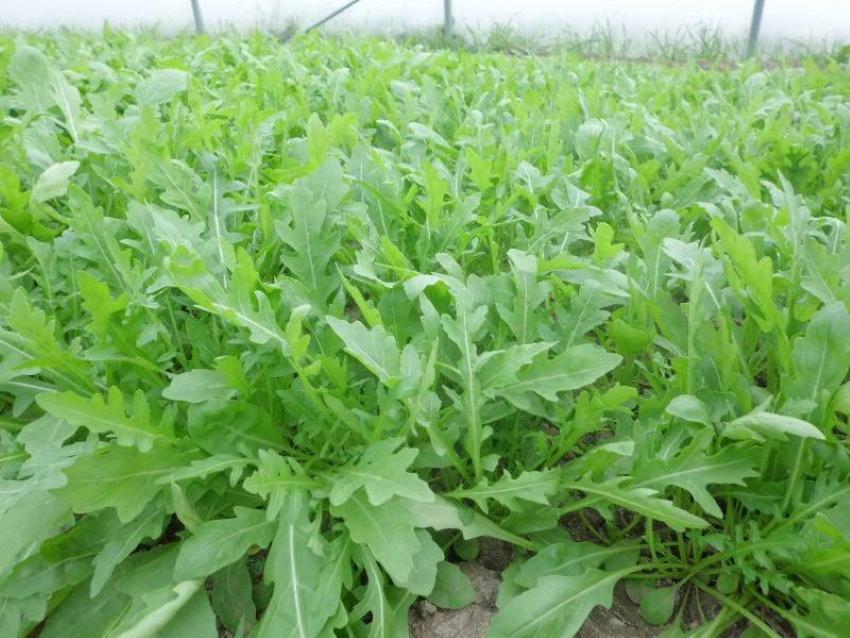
[283, 327]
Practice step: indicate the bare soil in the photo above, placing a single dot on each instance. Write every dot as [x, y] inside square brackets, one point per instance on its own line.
[623, 620]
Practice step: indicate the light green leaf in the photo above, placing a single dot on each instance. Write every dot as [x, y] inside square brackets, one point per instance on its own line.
[89, 616]
[311, 235]
[241, 304]
[67, 98]
[532, 487]
[442, 514]
[34, 341]
[556, 607]
[170, 616]
[119, 477]
[110, 417]
[374, 348]
[386, 529]
[425, 564]
[234, 465]
[226, 427]
[219, 543]
[387, 606]
[161, 86]
[573, 558]
[33, 519]
[574, 368]
[195, 618]
[499, 369]
[30, 70]
[693, 470]
[771, 425]
[275, 480]
[463, 330]
[383, 472]
[453, 589]
[822, 355]
[642, 500]
[689, 408]
[53, 182]
[295, 569]
[198, 386]
[828, 615]
[231, 597]
[123, 542]
[522, 316]
[43, 86]
[657, 604]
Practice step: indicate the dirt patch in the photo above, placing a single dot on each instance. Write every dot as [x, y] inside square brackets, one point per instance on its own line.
[623, 620]
[473, 621]
[494, 554]
[427, 621]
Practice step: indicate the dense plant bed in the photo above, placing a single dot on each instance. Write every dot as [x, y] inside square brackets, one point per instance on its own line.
[285, 329]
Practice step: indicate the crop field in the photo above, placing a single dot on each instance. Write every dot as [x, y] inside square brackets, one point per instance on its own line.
[291, 333]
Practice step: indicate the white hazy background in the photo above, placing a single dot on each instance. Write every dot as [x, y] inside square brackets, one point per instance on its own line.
[811, 21]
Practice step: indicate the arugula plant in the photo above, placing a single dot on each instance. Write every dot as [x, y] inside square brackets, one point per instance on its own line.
[284, 329]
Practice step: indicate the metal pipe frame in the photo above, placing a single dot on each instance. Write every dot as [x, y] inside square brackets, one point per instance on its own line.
[199, 18]
[755, 27]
